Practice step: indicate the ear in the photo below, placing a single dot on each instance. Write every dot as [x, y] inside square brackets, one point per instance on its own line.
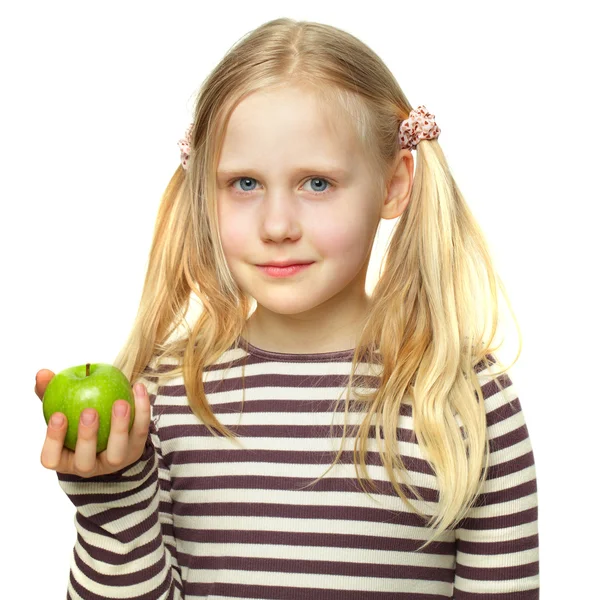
[399, 186]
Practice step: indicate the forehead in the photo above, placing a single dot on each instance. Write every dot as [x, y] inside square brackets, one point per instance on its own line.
[288, 124]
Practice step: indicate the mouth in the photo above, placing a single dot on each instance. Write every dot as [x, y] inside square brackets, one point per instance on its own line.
[286, 263]
[285, 271]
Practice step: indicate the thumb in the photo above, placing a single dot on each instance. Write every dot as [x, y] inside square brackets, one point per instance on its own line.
[42, 379]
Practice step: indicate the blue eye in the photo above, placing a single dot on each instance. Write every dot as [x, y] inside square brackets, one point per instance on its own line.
[321, 181]
[245, 180]
[248, 181]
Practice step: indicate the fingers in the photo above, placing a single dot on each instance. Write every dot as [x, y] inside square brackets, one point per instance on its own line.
[53, 455]
[141, 423]
[42, 379]
[118, 439]
[84, 461]
[124, 446]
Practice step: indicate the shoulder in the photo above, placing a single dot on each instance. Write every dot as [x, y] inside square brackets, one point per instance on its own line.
[497, 386]
[159, 370]
[505, 418]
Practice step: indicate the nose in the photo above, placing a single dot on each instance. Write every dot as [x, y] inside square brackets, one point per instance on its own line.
[279, 218]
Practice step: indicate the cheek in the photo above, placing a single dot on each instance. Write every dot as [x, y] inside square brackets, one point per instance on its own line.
[340, 238]
[234, 233]
[234, 239]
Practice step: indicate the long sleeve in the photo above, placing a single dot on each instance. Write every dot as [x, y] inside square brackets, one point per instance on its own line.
[497, 551]
[125, 546]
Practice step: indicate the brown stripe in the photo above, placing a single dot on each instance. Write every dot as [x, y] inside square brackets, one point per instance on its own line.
[251, 482]
[318, 567]
[277, 592]
[300, 539]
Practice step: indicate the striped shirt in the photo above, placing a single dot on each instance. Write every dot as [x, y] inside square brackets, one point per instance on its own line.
[198, 516]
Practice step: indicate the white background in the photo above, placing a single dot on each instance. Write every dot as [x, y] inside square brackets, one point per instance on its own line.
[95, 96]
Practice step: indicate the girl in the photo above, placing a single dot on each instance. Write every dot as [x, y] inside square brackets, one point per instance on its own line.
[243, 477]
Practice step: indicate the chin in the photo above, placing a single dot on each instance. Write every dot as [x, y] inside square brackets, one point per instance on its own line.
[286, 304]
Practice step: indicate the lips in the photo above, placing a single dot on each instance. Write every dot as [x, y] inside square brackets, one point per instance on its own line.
[287, 263]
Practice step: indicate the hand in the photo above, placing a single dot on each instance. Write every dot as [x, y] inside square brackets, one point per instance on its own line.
[124, 447]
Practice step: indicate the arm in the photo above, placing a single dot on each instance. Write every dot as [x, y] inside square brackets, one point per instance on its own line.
[124, 530]
[497, 553]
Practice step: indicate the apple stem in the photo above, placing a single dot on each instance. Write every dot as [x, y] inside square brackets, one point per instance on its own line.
[87, 370]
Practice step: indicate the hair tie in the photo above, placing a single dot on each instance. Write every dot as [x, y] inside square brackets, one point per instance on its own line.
[420, 125]
[184, 146]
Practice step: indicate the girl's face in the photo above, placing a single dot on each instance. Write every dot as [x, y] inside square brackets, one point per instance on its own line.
[292, 186]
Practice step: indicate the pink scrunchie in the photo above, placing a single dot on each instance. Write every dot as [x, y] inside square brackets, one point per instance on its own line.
[420, 125]
[184, 146]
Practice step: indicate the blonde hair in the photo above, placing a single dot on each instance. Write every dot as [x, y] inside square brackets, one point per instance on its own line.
[433, 312]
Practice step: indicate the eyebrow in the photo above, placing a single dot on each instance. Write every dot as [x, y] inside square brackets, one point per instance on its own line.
[334, 170]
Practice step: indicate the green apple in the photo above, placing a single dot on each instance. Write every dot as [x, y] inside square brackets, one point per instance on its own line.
[93, 385]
